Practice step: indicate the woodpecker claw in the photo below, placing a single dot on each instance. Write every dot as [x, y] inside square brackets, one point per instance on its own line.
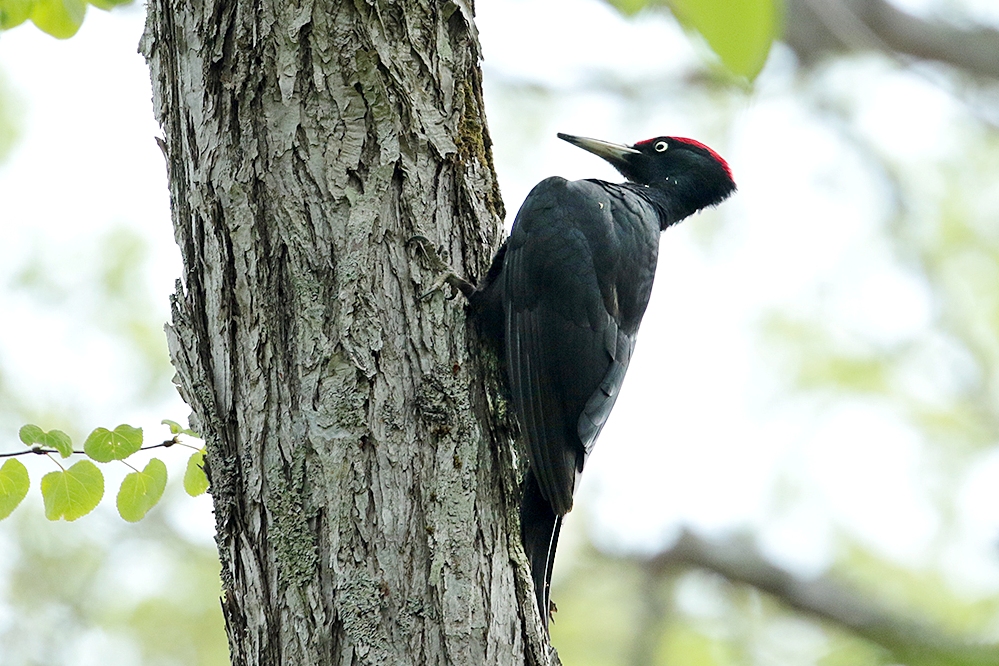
[438, 285]
[448, 276]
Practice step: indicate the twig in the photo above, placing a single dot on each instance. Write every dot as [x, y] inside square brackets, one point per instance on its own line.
[40, 450]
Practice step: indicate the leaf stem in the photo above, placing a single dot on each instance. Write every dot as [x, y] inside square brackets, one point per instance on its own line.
[55, 460]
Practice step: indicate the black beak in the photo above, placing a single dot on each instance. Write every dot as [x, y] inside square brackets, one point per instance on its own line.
[614, 153]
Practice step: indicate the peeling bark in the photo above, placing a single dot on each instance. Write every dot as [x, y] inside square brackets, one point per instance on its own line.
[360, 457]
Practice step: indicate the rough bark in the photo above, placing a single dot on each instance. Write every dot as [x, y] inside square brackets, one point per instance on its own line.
[358, 452]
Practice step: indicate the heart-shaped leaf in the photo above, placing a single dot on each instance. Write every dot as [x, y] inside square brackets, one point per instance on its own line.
[175, 428]
[72, 493]
[195, 479]
[14, 12]
[740, 33]
[14, 485]
[59, 18]
[140, 491]
[178, 429]
[107, 5]
[105, 445]
[31, 435]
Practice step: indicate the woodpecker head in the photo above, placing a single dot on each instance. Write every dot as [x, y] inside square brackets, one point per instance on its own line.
[683, 175]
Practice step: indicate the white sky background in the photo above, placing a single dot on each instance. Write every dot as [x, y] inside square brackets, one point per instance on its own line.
[699, 436]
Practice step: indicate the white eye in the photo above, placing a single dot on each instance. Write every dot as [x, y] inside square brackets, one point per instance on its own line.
[661, 147]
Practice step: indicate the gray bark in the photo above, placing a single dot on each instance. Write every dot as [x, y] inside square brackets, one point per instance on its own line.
[359, 455]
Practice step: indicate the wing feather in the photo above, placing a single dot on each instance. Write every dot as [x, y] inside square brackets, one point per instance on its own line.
[566, 352]
[619, 347]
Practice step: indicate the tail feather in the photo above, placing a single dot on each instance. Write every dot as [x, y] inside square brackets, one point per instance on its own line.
[540, 528]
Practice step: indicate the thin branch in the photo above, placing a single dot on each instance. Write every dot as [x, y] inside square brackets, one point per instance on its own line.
[35, 449]
[40, 450]
[910, 641]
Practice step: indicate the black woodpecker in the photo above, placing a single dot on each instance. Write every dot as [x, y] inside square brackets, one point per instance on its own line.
[564, 298]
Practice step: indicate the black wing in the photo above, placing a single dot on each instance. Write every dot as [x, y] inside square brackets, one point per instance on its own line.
[576, 279]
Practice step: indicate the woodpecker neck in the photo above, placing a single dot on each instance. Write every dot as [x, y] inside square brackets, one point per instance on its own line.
[671, 202]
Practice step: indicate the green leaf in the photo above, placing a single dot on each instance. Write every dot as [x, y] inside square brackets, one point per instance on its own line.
[105, 445]
[195, 479]
[740, 32]
[175, 428]
[59, 18]
[107, 5]
[140, 491]
[14, 485]
[14, 12]
[59, 441]
[31, 434]
[72, 493]
[178, 429]
[631, 7]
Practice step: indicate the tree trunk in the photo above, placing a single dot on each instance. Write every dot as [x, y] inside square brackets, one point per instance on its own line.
[360, 460]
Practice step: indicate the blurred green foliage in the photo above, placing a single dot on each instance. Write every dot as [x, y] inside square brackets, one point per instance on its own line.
[739, 32]
[617, 613]
[941, 380]
[9, 114]
[955, 251]
[103, 283]
[121, 590]
[921, 591]
[944, 380]
[597, 612]
[99, 588]
[59, 18]
[611, 611]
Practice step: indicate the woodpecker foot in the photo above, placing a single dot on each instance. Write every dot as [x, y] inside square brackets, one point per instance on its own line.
[448, 275]
[552, 609]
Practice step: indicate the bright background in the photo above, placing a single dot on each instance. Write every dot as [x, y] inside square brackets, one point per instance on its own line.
[817, 368]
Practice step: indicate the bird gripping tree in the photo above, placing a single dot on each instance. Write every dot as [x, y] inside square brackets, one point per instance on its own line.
[563, 300]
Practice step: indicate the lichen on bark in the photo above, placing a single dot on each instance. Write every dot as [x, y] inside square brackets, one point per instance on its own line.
[363, 477]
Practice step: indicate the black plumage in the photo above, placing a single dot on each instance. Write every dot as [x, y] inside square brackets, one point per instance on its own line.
[564, 299]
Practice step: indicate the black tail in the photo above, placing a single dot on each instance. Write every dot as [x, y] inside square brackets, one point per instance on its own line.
[539, 528]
